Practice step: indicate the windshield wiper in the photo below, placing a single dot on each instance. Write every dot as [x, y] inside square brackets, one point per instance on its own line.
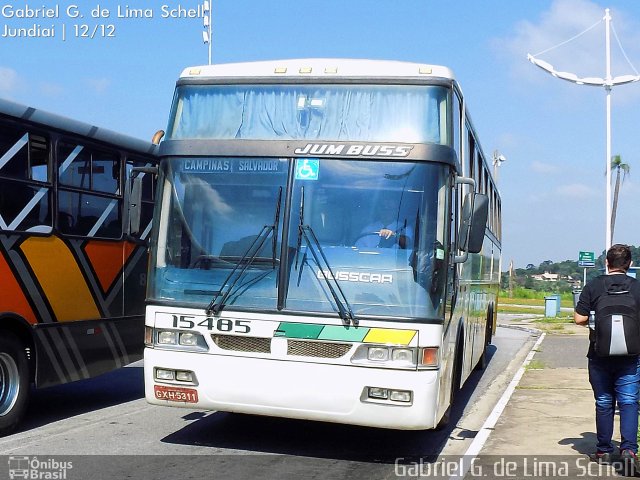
[246, 260]
[313, 245]
[344, 309]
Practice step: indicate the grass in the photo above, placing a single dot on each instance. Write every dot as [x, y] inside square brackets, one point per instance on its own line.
[518, 309]
[533, 302]
[535, 365]
[555, 320]
[521, 301]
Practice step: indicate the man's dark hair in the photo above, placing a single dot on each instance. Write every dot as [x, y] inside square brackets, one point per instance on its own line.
[619, 257]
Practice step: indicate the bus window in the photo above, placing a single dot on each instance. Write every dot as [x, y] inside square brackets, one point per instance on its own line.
[105, 172]
[456, 119]
[24, 205]
[96, 171]
[377, 226]
[89, 215]
[14, 157]
[83, 167]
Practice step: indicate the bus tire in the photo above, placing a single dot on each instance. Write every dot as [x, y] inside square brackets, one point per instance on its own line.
[14, 381]
[488, 334]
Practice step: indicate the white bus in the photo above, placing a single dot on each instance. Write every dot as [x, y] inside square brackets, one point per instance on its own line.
[326, 244]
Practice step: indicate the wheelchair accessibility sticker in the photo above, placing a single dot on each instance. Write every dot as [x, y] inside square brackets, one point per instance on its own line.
[307, 169]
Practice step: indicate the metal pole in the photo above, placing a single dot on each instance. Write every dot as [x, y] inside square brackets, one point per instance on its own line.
[210, 28]
[608, 85]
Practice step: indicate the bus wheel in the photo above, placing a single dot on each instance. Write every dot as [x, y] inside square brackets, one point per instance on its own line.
[14, 382]
[488, 333]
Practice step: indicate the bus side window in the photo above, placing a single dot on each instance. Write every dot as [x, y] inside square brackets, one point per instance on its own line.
[96, 210]
[24, 204]
[14, 154]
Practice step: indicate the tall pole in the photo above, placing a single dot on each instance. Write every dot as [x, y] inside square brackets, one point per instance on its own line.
[608, 85]
[206, 21]
[210, 28]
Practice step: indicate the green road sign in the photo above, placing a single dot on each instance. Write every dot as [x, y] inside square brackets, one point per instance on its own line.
[586, 259]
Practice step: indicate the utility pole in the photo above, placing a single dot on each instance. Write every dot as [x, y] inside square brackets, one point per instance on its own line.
[206, 22]
[608, 83]
[511, 279]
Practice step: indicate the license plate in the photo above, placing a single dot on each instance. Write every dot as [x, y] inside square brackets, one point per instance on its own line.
[176, 394]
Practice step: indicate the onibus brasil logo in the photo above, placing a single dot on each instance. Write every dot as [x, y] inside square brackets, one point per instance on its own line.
[38, 469]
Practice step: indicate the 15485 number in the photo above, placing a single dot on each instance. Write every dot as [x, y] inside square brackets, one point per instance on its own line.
[210, 323]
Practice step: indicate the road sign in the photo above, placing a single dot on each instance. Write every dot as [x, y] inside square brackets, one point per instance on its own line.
[586, 259]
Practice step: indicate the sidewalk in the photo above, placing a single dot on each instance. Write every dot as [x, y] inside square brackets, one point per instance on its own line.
[552, 410]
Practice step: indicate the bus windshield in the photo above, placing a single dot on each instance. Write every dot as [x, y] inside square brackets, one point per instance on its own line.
[372, 230]
[375, 113]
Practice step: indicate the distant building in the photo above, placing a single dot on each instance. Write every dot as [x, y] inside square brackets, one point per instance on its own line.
[546, 277]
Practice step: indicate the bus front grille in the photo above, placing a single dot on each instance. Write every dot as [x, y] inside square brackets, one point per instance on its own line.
[242, 344]
[317, 349]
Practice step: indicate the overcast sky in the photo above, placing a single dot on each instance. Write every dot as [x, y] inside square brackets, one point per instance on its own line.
[552, 132]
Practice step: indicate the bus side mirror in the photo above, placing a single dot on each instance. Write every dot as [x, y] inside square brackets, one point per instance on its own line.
[465, 222]
[135, 205]
[135, 197]
[475, 210]
[478, 223]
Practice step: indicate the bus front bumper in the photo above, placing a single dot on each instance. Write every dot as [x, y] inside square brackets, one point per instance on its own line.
[291, 389]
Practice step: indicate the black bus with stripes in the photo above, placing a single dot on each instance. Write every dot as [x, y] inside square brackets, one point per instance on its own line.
[72, 276]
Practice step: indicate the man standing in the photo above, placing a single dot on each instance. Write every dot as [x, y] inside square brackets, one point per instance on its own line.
[613, 378]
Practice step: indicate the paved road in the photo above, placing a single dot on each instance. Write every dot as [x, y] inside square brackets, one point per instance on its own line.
[109, 416]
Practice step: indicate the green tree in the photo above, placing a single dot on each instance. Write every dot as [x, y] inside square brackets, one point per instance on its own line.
[618, 166]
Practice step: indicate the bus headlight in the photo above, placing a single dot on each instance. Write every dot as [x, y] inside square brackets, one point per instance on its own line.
[169, 375]
[386, 356]
[378, 354]
[387, 396]
[188, 341]
[167, 337]
[165, 374]
[403, 355]
[400, 396]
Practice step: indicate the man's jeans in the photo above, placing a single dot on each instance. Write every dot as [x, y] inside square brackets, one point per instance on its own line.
[615, 379]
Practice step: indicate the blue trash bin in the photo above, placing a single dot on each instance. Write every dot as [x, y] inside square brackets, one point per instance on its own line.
[558, 303]
[550, 306]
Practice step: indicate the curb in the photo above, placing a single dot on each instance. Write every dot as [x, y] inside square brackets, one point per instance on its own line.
[489, 425]
[521, 327]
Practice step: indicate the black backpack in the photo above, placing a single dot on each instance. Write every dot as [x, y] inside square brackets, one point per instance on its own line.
[617, 324]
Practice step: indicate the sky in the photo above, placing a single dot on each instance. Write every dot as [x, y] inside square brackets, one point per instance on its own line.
[100, 67]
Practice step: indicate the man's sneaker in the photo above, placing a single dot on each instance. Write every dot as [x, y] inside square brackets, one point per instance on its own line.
[600, 457]
[630, 461]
